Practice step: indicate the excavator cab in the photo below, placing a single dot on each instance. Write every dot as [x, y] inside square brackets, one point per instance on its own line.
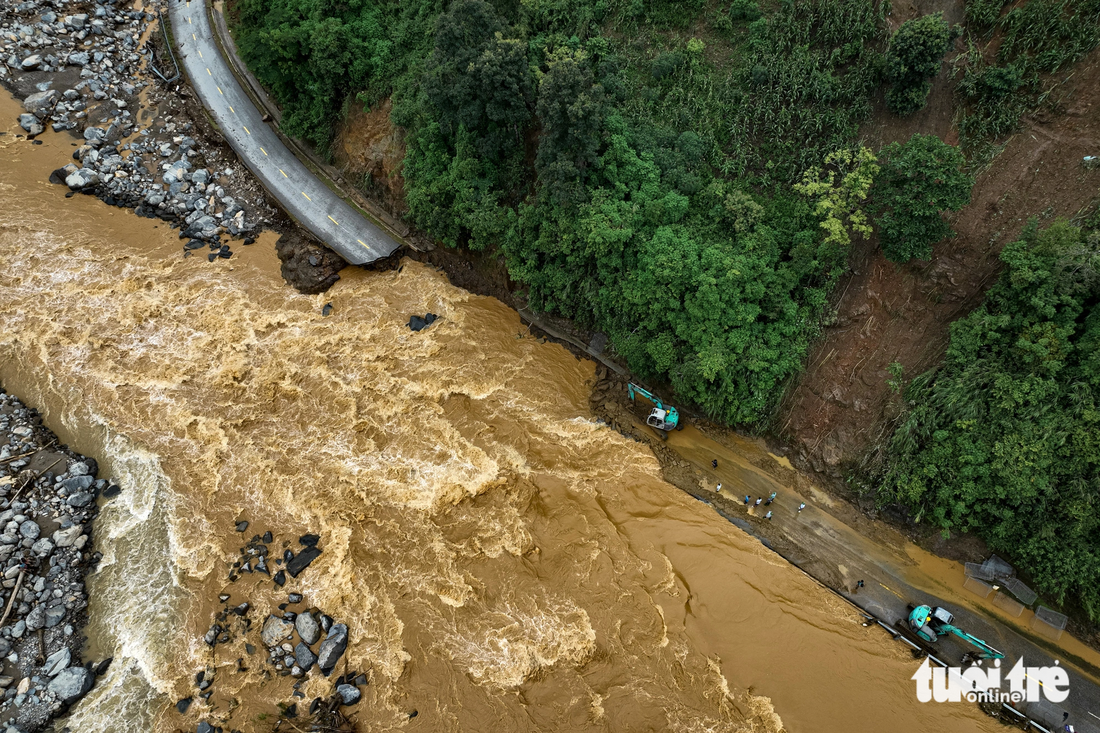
[660, 419]
[928, 623]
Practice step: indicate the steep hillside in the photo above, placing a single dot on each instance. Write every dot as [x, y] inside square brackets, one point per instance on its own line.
[843, 405]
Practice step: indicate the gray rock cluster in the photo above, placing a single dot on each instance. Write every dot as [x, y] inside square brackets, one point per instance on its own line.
[157, 167]
[301, 644]
[47, 504]
[101, 47]
[297, 659]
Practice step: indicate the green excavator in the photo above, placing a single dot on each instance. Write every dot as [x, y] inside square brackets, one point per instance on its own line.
[931, 623]
[663, 419]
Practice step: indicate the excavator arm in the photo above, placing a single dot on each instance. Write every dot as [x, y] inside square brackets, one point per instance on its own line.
[987, 652]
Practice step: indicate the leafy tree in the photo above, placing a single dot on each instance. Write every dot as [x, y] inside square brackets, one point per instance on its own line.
[311, 54]
[915, 54]
[478, 78]
[839, 191]
[457, 198]
[571, 106]
[918, 181]
[1004, 439]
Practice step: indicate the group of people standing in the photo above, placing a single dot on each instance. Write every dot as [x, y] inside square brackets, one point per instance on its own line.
[759, 500]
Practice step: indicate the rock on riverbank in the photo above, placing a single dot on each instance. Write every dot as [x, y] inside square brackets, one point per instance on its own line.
[47, 504]
[86, 72]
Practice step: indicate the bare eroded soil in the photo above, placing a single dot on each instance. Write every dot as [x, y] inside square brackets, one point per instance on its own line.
[888, 313]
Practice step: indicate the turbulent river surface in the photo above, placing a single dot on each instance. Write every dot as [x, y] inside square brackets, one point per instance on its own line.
[503, 562]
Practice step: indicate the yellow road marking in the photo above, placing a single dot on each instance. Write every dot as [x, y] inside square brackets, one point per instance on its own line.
[208, 72]
[200, 54]
[334, 221]
[193, 38]
[307, 197]
[220, 90]
[245, 128]
[892, 591]
[284, 174]
[360, 241]
[188, 20]
[263, 151]
[232, 110]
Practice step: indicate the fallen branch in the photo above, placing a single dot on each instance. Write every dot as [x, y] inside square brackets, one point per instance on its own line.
[14, 593]
[31, 479]
[9, 459]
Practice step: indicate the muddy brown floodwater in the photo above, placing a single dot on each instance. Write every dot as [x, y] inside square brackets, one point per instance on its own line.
[503, 561]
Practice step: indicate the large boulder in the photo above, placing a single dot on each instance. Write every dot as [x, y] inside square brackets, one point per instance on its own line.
[41, 104]
[36, 619]
[176, 172]
[302, 560]
[66, 537]
[32, 62]
[58, 176]
[55, 614]
[349, 694]
[78, 483]
[307, 627]
[57, 661]
[82, 179]
[30, 124]
[81, 499]
[80, 58]
[42, 548]
[276, 630]
[95, 135]
[332, 648]
[71, 684]
[30, 529]
[304, 656]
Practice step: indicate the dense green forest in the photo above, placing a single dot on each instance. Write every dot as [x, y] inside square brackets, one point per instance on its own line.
[692, 194]
[1004, 438]
[686, 176]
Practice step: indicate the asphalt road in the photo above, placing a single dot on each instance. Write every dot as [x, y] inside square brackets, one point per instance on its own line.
[820, 541]
[313, 204]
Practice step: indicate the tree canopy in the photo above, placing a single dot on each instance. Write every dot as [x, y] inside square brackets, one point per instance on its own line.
[311, 54]
[914, 57]
[1004, 439]
[918, 180]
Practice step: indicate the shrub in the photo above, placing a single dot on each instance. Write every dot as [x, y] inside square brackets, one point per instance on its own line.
[917, 181]
[747, 10]
[915, 55]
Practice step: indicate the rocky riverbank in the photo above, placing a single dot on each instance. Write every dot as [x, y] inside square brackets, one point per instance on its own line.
[87, 69]
[47, 503]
